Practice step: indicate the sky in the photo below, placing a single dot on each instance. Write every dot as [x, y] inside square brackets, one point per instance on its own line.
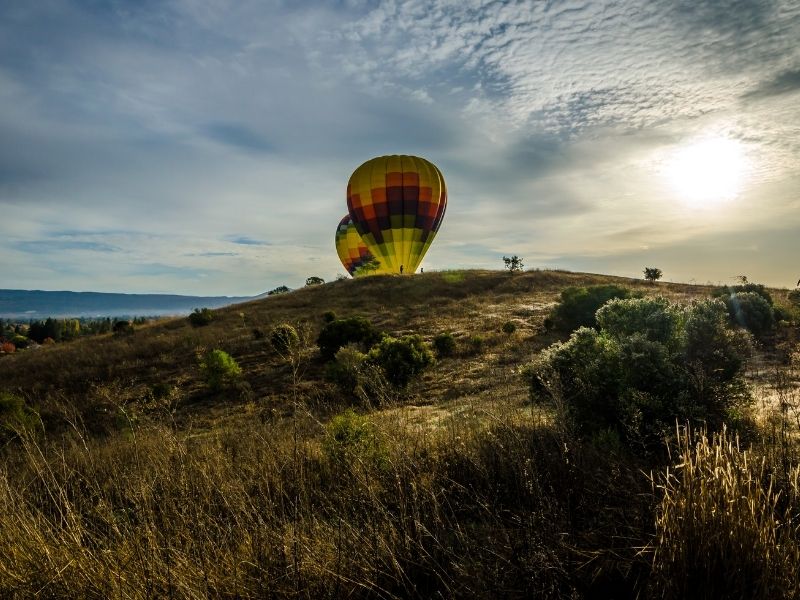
[204, 147]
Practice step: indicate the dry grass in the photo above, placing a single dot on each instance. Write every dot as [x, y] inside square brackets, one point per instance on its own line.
[466, 490]
[727, 525]
[489, 505]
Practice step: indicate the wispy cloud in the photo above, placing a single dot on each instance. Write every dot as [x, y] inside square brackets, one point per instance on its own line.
[51, 246]
[243, 240]
[135, 136]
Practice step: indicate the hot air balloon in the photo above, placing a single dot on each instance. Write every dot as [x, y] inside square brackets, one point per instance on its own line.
[397, 204]
[355, 256]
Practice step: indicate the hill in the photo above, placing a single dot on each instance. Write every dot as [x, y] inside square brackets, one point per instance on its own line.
[142, 481]
[38, 304]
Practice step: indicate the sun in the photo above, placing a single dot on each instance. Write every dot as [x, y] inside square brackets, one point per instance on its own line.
[707, 173]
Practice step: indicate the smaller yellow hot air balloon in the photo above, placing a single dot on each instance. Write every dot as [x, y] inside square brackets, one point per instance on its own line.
[352, 251]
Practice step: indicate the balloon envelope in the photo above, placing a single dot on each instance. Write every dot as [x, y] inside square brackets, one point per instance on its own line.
[353, 253]
[397, 204]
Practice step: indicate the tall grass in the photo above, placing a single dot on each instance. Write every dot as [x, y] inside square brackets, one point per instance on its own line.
[492, 506]
[727, 527]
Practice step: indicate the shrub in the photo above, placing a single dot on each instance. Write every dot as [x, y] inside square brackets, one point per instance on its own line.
[655, 318]
[219, 369]
[401, 359]
[751, 311]
[281, 289]
[579, 304]
[161, 390]
[444, 344]
[345, 370]
[15, 416]
[328, 316]
[284, 339]
[509, 327]
[20, 341]
[341, 332]
[794, 297]
[201, 317]
[123, 327]
[258, 333]
[651, 362]
[314, 281]
[350, 438]
[728, 290]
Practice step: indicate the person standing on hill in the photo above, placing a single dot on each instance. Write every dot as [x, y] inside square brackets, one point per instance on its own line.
[401, 269]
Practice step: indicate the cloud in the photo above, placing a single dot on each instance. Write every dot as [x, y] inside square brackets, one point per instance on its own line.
[238, 137]
[51, 246]
[783, 83]
[243, 240]
[140, 134]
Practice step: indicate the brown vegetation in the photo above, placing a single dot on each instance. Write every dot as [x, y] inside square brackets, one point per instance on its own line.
[140, 482]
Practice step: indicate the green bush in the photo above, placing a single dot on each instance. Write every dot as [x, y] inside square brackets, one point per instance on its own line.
[345, 370]
[751, 311]
[328, 316]
[219, 369]
[579, 304]
[655, 318]
[650, 363]
[728, 290]
[401, 359]
[509, 327]
[201, 317]
[444, 344]
[341, 332]
[284, 339]
[15, 416]
[351, 438]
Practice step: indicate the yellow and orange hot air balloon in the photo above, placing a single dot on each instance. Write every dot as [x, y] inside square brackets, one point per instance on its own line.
[353, 253]
[397, 204]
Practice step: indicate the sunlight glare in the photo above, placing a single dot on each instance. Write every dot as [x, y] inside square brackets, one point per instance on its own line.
[708, 173]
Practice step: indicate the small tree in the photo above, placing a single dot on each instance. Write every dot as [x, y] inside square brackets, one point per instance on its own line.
[314, 281]
[652, 274]
[513, 263]
[369, 267]
[281, 289]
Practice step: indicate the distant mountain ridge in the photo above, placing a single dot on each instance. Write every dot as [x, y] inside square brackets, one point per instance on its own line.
[38, 304]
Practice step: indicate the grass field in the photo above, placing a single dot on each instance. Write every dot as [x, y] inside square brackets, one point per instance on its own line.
[141, 482]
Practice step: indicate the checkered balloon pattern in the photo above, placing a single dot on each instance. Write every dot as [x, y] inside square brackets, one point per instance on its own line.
[397, 204]
[353, 253]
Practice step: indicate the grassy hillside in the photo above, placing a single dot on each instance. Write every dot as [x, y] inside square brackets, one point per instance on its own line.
[96, 374]
[142, 482]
